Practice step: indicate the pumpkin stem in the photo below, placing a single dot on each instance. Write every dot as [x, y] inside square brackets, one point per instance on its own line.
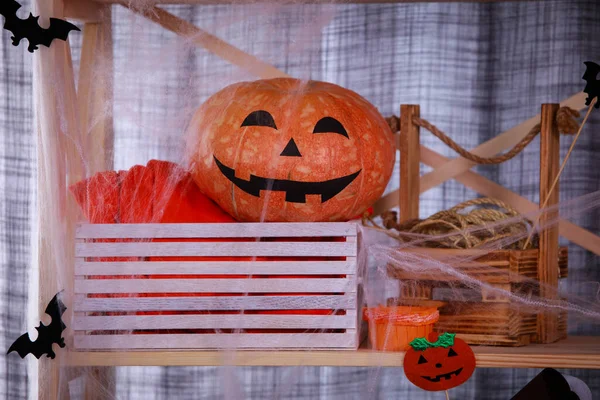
[445, 340]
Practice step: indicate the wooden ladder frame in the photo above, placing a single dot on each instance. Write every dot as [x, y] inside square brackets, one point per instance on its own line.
[67, 135]
[548, 260]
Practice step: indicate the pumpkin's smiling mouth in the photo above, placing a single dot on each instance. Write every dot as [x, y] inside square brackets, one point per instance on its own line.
[295, 191]
[445, 376]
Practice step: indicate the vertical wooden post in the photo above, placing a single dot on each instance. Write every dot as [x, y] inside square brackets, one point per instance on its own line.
[410, 159]
[61, 143]
[56, 123]
[95, 92]
[547, 322]
[95, 97]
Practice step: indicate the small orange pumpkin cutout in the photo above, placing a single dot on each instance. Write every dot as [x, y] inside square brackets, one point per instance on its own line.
[440, 363]
[287, 150]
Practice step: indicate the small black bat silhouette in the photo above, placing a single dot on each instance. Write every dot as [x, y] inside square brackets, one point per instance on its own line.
[593, 83]
[30, 29]
[47, 335]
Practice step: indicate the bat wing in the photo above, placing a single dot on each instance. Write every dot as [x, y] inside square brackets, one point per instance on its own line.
[9, 8]
[56, 309]
[592, 88]
[59, 29]
[23, 346]
[47, 335]
[30, 29]
[591, 71]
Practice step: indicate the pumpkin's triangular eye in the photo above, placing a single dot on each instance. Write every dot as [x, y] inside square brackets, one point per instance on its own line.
[259, 118]
[452, 353]
[422, 360]
[328, 124]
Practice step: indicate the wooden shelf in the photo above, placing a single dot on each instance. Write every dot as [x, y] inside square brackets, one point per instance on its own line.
[574, 352]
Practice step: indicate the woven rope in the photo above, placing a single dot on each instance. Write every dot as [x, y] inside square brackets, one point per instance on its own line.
[460, 230]
[565, 119]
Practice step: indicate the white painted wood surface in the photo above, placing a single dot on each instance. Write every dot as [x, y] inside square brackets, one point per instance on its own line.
[214, 230]
[341, 302]
[227, 285]
[215, 321]
[333, 286]
[218, 341]
[216, 268]
[216, 249]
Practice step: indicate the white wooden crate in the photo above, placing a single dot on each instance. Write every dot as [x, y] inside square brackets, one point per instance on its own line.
[111, 274]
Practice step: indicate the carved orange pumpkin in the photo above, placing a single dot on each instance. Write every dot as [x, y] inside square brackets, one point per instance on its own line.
[439, 363]
[290, 150]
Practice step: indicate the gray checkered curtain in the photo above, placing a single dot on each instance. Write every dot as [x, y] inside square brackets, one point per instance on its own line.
[17, 172]
[475, 70]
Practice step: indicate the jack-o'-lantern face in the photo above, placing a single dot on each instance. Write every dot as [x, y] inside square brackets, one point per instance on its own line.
[290, 150]
[439, 363]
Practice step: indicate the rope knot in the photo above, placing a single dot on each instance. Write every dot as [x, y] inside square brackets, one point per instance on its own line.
[390, 219]
[565, 119]
[394, 123]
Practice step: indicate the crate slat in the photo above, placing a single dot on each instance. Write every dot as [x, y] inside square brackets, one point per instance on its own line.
[272, 285]
[215, 341]
[216, 249]
[216, 230]
[133, 304]
[83, 268]
[215, 321]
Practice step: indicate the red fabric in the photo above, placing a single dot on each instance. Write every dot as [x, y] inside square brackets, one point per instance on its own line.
[161, 192]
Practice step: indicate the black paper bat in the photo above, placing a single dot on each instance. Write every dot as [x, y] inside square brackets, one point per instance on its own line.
[47, 335]
[30, 29]
[593, 83]
[547, 385]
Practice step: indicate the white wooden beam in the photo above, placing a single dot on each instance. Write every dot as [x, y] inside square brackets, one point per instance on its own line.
[84, 10]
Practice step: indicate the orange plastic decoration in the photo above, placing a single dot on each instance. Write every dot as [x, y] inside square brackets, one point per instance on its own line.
[393, 328]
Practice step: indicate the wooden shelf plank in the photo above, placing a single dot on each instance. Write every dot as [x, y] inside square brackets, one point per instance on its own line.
[574, 352]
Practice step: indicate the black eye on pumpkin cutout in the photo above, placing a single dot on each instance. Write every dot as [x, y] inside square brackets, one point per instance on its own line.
[260, 118]
[422, 360]
[328, 124]
[452, 353]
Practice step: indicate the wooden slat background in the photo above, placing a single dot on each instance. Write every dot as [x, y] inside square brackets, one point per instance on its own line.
[215, 321]
[214, 249]
[239, 285]
[133, 304]
[213, 230]
[216, 268]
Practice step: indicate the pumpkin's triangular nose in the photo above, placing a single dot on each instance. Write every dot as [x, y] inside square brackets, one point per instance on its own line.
[291, 150]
